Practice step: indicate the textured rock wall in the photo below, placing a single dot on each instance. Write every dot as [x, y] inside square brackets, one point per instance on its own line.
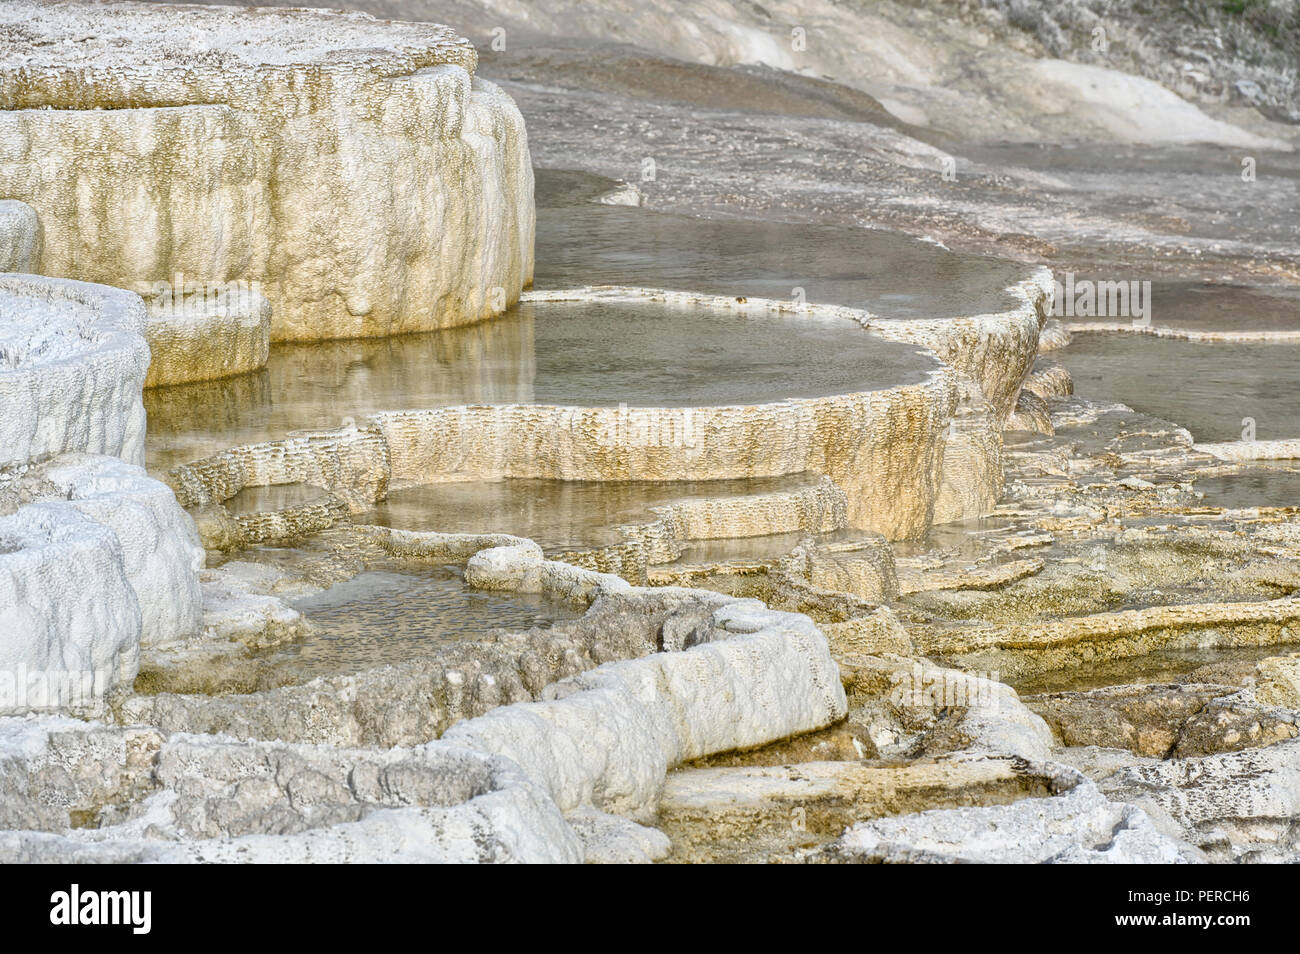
[70, 619]
[95, 557]
[209, 337]
[20, 237]
[160, 546]
[882, 447]
[223, 801]
[72, 363]
[356, 169]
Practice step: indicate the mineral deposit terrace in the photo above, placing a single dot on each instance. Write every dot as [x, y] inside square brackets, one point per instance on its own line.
[640, 528]
[61, 330]
[565, 353]
[52, 48]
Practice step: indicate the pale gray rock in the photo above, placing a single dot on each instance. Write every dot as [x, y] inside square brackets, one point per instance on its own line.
[70, 617]
[1234, 804]
[1078, 827]
[614, 840]
[608, 737]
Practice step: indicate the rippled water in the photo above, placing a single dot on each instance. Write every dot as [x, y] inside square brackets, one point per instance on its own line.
[397, 614]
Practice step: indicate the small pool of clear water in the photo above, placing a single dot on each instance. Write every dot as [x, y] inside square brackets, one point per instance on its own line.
[395, 614]
[1256, 486]
[558, 514]
[252, 500]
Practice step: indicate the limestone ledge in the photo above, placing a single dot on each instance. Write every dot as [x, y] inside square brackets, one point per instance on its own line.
[996, 350]
[1237, 451]
[1178, 721]
[70, 617]
[1235, 806]
[159, 544]
[271, 146]
[204, 339]
[1021, 649]
[150, 799]
[1079, 826]
[466, 679]
[749, 813]
[821, 508]
[1199, 336]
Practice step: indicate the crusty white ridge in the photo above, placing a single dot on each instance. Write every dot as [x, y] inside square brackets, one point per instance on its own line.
[494, 788]
[73, 359]
[95, 556]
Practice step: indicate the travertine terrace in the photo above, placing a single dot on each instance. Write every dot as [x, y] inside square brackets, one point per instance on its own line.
[751, 534]
[907, 456]
[356, 170]
[97, 558]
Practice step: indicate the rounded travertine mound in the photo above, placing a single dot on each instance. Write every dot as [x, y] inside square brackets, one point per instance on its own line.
[96, 558]
[70, 619]
[159, 544]
[209, 337]
[353, 167]
[72, 363]
[20, 236]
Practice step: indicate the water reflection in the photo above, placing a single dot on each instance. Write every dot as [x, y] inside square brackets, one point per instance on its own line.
[568, 353]
[557, 514]
[1208, 388]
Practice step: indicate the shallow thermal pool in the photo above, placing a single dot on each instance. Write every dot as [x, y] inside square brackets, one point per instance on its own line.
[567, 353]
[388, 615]
[1163, 666]
[557, 514]
[581, 242]
[1254, 486]
[1210, 389]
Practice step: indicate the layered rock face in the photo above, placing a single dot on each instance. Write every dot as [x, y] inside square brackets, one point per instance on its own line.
[209, 337]
[355, 169]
